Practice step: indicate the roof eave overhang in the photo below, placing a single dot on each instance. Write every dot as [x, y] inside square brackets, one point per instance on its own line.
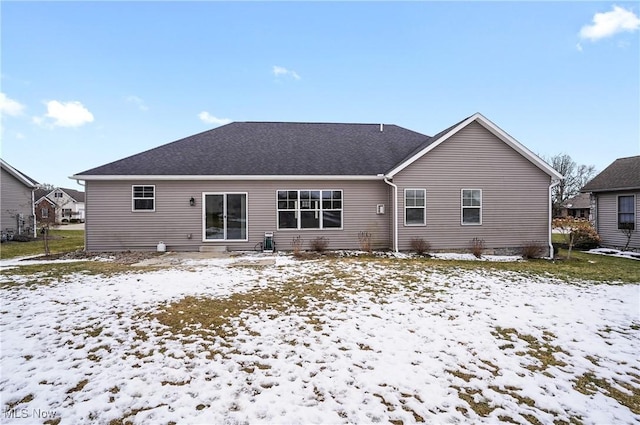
[613, 189]
[18, 175]
[495, 130]
[222, 177]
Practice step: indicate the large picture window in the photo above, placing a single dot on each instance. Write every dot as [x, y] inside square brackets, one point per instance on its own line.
[626, 212]
[309, 209]
[143, 198]
[471, 206]
[415, 207]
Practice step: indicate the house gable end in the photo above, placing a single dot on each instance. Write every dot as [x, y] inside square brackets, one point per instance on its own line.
[489, 126]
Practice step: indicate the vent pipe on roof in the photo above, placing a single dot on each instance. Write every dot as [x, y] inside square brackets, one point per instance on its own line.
[381, 128]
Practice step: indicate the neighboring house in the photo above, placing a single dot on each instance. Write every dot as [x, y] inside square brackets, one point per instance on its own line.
[59, 205]
[615, 202]
[228, 186]
[17, 217]
[578, 207]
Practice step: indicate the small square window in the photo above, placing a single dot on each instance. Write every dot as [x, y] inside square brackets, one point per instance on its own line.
[143, 198]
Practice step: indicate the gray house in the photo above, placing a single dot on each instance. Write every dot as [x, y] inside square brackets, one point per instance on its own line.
[578, 206]
[615, 202]
[16, 202]
[229, 186]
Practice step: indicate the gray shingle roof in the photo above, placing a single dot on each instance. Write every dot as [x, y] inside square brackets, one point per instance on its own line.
[622, 174]
[580, 201]
[273, 148]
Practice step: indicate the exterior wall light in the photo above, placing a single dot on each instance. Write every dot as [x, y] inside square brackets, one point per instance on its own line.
[192, 201]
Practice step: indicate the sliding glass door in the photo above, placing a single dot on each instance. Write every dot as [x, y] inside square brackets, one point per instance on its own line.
[225, 216]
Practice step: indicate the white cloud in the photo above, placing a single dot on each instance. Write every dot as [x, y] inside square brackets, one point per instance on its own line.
[65, 114]
[210, 119]
[138, 102]
[610, 23]
[279, 70]
[10, 106]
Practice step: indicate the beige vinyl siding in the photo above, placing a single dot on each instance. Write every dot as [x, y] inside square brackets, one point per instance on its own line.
[515, 192]
[16, 198]
[112, 226]
[607, 216]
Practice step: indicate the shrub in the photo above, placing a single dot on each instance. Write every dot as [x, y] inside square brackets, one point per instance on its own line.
[319, 244]
[578, 233]
[532, 249]
[477, 246]
[365, 241]
[420, 246]
[586, 238]
[296, 244]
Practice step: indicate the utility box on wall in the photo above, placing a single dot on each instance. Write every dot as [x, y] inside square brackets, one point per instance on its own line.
[380, 209]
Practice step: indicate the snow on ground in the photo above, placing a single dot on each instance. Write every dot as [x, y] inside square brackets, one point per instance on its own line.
[615, 253]
[396, 343]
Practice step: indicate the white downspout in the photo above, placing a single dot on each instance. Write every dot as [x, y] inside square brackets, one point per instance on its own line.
[554, 183]
[395, 213]
[33, 213]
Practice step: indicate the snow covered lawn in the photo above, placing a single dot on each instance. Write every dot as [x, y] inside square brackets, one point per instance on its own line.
[323, 341]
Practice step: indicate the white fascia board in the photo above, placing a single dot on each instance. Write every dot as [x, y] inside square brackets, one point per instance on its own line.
[17, 174]
[219, 178]
[496, 131]
[44, 198]
[518, 147]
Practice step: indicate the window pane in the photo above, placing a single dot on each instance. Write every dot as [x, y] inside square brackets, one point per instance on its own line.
[625, 204]
[471, 215]
[236, 216]
[287, 220]
[143, 204]
[415, 215]
[282, 195]
[332, 219]
[326, 205]
[471, 198]
[282, 205]
[214, 216]
[309, 220]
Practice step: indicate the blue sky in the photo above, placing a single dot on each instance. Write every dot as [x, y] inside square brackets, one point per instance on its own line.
[87, 83]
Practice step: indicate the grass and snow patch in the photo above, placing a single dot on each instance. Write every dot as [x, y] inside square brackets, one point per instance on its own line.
[323, 341]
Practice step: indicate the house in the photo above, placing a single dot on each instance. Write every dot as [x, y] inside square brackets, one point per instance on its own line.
[17, 217]
[380, 183]
[59, 205]
[615, 202]
[578, 206]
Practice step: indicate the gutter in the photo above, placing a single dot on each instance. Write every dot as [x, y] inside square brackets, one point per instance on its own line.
[395, 213]
[553, 184]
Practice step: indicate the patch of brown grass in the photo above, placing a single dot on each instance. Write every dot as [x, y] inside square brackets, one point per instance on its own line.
[589, 384]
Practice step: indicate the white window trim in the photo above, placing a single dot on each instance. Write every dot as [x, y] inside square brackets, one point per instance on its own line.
[462, 207]
[635, 213]
[133, 203]
[424, 208]
[204, 216]
[298, 210]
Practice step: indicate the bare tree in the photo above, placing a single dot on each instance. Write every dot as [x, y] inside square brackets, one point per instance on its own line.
[575, 177]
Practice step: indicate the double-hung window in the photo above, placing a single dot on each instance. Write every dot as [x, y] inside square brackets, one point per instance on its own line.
[415, 207]
[471, 206]
[143, 198]
[309, 209]
[626, 212]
